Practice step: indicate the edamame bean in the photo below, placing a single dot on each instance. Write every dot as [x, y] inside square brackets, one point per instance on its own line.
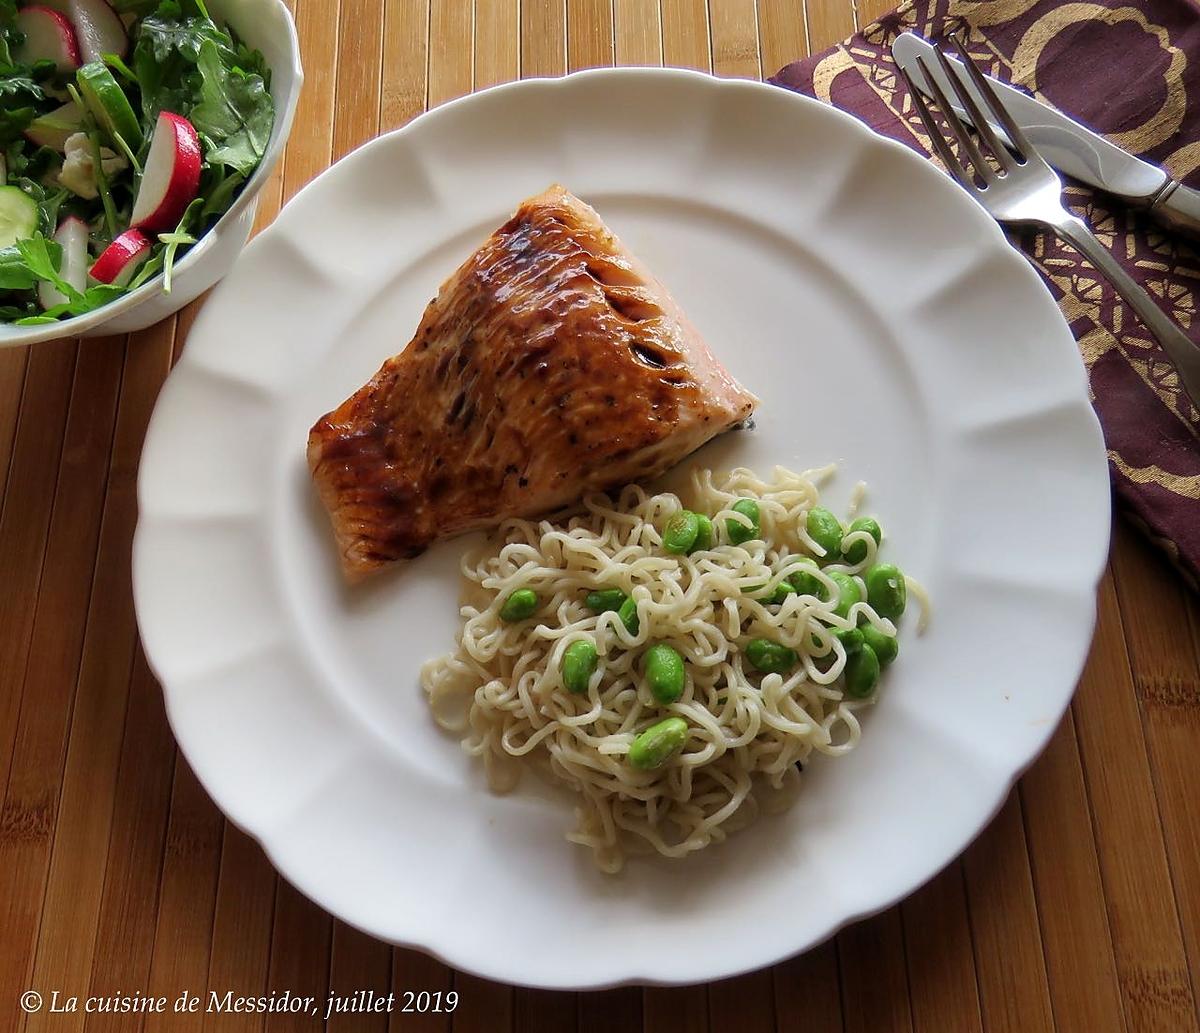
[826, 530]
[770, 657]
[629, 616]
[848, 592]
[519, 606]
[782, 591]
[862, 672]
[658, 744]
[704, 534]
[885, 647]
[805, 582]
[664, 673]
[856, 551]
[886, 591]
[605, 599]
[737, 532]
[578, 665]
[852, 639]
[680, 533]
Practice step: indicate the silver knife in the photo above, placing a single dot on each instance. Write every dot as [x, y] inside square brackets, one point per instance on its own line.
[1064, 143]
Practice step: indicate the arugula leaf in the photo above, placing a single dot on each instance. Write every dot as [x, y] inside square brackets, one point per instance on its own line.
[14, 273]
[19, 96]
[219, 191]
[179, 238]
[235, 114]
[42, 257]
[92, 298]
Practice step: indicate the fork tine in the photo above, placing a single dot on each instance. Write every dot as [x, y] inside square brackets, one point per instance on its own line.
[982, 124]
[935, 133]
[1019, 141]
[965, 141]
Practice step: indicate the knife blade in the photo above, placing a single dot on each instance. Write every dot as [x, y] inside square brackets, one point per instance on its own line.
[1068, 145]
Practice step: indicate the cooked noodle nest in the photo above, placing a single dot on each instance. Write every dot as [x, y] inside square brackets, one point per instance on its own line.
[502, 690]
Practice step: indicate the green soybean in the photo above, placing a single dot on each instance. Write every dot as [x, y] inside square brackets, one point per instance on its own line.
[826, 530]
[782, 591]
[704, 534]
[856, 551]
[862, 672]
[885, 647]
[658, 744]
[852, 639]
[738, 532]
[770, 657]
[805, 581]
[578, 665]
[848, 592]
[681, 531]
[664, 673]
[520, 605]
[605, 600]
[629, 616]
[886, 591]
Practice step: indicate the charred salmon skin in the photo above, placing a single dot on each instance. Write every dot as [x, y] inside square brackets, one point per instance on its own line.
[551, 364]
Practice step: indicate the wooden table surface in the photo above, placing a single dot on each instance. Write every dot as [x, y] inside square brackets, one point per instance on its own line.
[1077, 909]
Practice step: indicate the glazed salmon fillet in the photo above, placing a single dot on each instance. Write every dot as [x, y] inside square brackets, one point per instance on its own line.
[551, 364]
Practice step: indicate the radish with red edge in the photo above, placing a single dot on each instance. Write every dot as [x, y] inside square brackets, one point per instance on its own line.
[122, 258]
[171, 176]
[72, 236]
[49, 36]
[52, 129]
[98, 27]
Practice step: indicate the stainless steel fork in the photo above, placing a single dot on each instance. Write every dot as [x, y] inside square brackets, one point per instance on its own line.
[1024, 189]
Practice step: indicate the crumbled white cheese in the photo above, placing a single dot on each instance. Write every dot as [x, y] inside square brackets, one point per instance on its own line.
[78, 172]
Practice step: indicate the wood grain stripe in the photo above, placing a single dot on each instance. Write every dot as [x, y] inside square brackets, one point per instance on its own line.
[72, 905]
[942, 983]
[56, 644]
[1011, 967]
[1147, 940]
[13, 362]
[808, 993]
[782, 34]
[590, 40]
[874, 975]
[1084, 989]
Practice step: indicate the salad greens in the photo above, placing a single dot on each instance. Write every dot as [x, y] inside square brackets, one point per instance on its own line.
[75, 136]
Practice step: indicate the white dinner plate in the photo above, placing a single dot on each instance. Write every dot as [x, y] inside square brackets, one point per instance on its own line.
[884, 322]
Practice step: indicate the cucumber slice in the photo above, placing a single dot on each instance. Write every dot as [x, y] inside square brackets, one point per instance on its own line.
[18, 216]
[108, 104]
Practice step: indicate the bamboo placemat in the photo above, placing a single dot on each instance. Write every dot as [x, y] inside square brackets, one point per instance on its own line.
[1078, 908]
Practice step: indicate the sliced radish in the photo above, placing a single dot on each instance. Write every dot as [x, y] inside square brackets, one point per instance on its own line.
[122, 258]
[98, 27]
[53, 129]
[171, 176]
[49, 36]
[72, 234]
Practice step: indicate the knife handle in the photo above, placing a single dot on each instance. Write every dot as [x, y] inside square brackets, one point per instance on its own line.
[1178, 207]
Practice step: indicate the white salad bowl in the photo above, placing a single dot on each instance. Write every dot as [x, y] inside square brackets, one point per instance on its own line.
[267, 26]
